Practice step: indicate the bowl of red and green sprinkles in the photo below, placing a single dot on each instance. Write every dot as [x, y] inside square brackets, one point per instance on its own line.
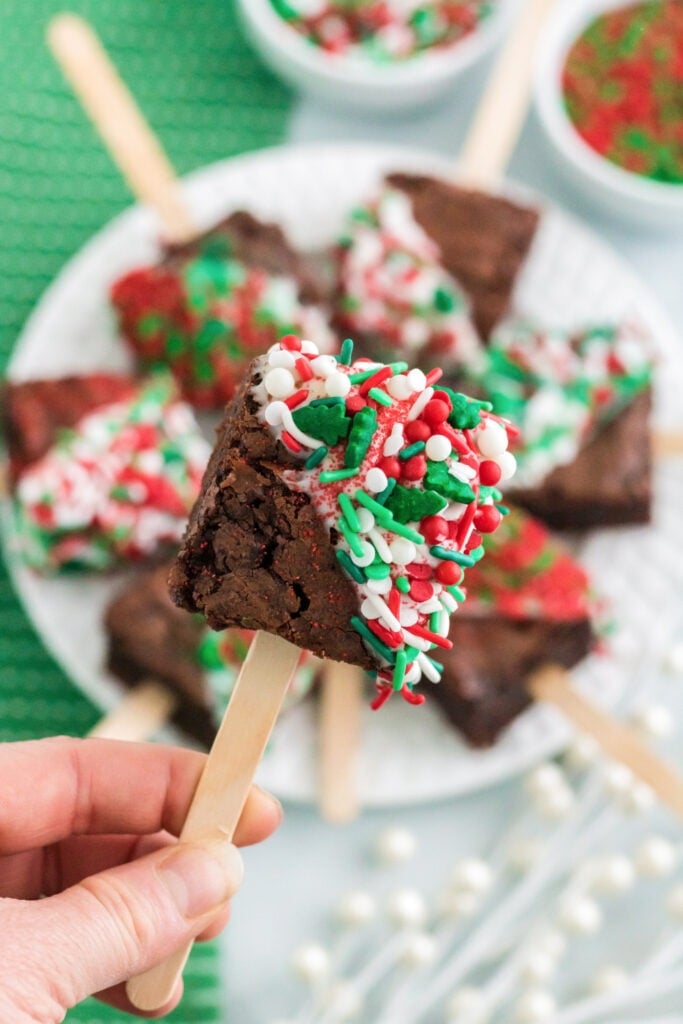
[609, 92]
[373, 54]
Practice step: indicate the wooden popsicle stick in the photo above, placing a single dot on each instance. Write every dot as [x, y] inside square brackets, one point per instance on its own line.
[117, 118]
[553, 685]
[223, 788]
[502, 109]
[667, 444]
[339, 740]
[140, 714]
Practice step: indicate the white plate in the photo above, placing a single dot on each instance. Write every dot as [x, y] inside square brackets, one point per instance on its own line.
[408, 754]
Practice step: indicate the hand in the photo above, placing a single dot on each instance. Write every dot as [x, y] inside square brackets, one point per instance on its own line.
[89, 825]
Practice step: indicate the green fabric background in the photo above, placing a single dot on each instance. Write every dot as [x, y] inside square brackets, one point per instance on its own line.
[207, 97]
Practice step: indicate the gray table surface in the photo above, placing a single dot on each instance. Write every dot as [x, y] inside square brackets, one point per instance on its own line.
[293, 881]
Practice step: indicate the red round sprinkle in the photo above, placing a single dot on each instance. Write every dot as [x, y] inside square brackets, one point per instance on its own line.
[413, 468]
[487, 518]
[291, 343]
[417, 430]
[448, 573]
[434, 529]
[435, 412]
[489, 473]
[419, 570]
[420, 590]
[443, 397]
[390, 465]
[354, 403]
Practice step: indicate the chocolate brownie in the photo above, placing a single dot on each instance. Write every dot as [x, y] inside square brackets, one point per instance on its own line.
[149, 638]
[482, 688]
[484, 239]
[256, 554]
[609, 483]
[35, 411]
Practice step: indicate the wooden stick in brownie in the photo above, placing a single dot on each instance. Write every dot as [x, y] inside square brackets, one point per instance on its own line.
[338, 511]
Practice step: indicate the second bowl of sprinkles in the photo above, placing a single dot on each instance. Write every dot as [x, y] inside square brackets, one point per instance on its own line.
[374, 54]
[609, 91]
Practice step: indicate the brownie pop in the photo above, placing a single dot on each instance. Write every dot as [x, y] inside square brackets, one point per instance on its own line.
[104, 469]
[209, 306]
[340, 507]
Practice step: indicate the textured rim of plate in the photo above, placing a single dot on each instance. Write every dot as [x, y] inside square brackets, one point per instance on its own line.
[486, 767]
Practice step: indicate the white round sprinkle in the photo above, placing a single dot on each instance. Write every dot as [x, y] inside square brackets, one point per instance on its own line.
[274, 413]
[538, 967]
[438, 447]
[614, 874]
[406, 907]
[311, 962]
[368, 609]
[396, 845]
[376, 480]
[403, 551]
[323, 366]
[408, 616]
[356, 908]
[580, 915]
[399, 387]
[368, 556]
[508, 465]
[472, 875]
[366, 519]
[467, 1006]
[674, 904]
[535, 1007]
[309, 348]
[618, 779]
[609, 979]
[281, 357]
[420, 949]
[279, 382]
[417, 380]
[337, 385]
[546, 778]
[582, 753]
[654, 722]
[656, 857]
[379, 586]
[492, 440]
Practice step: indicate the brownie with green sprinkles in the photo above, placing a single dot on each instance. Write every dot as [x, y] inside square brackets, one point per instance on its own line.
[326, 513]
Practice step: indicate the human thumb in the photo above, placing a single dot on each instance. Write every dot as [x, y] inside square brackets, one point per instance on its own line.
[117, 924]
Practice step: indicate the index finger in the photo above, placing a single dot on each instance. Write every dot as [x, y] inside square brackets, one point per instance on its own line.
[54, 788]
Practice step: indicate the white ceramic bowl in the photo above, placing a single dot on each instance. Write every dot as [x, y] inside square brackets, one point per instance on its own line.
[623, 193]
[354, 82]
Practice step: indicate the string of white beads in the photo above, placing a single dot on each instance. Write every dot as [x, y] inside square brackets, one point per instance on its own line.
[395, 845]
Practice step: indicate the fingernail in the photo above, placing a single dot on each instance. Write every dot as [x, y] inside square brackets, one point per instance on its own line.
[201, 878]
[274, 801]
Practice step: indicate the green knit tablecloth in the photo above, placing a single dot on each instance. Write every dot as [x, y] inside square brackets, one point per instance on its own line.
[208, 98]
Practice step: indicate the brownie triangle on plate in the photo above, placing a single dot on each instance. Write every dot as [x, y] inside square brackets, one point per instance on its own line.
[528, 603]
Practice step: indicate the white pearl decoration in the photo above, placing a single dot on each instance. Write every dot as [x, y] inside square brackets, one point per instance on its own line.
[324, 366]
[638, 799]
[417, 380]
[654, 722]
[337, 385]
[553, 943]
[356, 908]
[656, 857]
[491, 439]
[535, 1007]
[311, 962]
[438, 448]
[279, 382]
[610, 978]
[407, 908]
[580, 915]
[459, 905]
[281, 357]
[396, 845]
[614, 874]
[618, 779]
[376, 480]
[556, 804]
[472, 875]
[399, 387]
[403, 551]
[538, 967]
[419, 950]
[582, 753]
[468, 1006]
[524, 854]
[508, 465]
[546, 778]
